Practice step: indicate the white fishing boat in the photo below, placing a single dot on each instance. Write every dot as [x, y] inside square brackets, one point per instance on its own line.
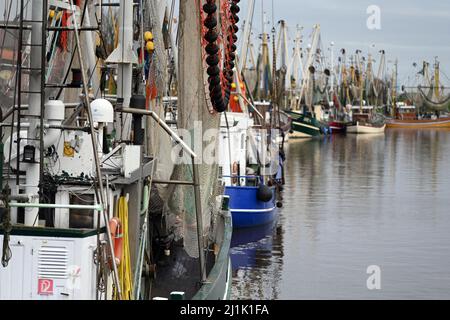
[365, 128]
[366, 121]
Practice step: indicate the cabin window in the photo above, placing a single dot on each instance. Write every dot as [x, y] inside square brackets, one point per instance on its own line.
[81, 218]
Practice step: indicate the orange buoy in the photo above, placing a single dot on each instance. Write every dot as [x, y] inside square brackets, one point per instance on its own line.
[115, 227]
[234, 172]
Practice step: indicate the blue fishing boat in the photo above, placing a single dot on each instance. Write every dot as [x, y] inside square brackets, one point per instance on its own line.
[251, 172]
[248, 206]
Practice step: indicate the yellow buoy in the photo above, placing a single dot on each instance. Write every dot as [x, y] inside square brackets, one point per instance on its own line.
[51, 14]
[150, 46]
[236, 98]
[148, 36]
[233, 85]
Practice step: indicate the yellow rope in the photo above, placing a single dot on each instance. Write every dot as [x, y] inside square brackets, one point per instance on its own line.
[125, 277]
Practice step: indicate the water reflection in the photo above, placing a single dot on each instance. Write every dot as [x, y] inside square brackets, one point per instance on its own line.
[257, 259]
[351, 202]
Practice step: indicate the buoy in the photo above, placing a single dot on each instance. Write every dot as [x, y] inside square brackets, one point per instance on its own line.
[150, 46]
[115, 227]
[234, 172]
[148, 36]
[264, 193]
[51, 14]
[233, 85]
[236, 99]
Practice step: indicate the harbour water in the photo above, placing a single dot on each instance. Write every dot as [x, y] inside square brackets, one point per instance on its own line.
[351, 202]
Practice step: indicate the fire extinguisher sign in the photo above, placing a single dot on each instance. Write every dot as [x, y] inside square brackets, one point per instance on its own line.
[45, 286]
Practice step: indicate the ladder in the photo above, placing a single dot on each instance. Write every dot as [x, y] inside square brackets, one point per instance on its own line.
[36, 68]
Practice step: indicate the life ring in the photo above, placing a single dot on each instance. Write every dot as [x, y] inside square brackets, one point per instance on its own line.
[234, 172]
[115, 228]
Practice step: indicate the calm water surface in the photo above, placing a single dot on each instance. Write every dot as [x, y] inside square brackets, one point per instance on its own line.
[351, 202]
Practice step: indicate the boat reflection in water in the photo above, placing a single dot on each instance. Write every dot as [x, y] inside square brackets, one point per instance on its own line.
[256, 258]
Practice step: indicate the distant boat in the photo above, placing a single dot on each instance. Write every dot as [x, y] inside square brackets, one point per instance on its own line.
[306, 126]
[338, 126]
[420, 124]
[366, 121]
[426, 108]
[366, 128]
[406, 117]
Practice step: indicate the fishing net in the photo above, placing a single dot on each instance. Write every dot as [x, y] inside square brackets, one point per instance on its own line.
[195, 117]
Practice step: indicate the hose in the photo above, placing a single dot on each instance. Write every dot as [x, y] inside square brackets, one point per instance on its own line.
[125, 266]
[142, 243]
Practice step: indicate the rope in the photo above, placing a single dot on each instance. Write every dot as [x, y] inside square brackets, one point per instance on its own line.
[7, 227]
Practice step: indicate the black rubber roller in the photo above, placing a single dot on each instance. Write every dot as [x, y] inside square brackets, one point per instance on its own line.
[210, 8]
[212, 48]
[210, 22]
[211, 36]
[212, 60]
[214, 80]
[213, 71]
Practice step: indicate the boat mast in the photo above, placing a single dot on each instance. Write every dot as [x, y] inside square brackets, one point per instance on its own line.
[282, 44]
[394, 88]
[36, 107]
[294, 69]
[309, 62]
[246, 35]
[124, 57]
[436, 79]
[332, 67]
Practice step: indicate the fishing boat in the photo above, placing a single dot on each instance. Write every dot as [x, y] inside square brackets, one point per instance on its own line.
[306, 126]
[366, 128]
[337, 126]
[407, 117]
[427, 108]
[93, 206]
[366, 121]
[252, 141]
[308, 95]
[250, 170]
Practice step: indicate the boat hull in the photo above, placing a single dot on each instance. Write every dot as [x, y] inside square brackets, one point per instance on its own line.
[365, 129]
[247, 211]
[304, 126]
[419, 124]
[337, 127]
[303, 130]
[218, 282]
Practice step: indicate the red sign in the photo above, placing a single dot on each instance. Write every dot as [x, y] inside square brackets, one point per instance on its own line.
[45, 286]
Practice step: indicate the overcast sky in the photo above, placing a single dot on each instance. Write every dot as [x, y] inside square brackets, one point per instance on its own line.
[411, 30]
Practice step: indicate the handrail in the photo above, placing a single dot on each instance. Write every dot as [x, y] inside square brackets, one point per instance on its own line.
[96, 207]
[246, 177]
[163, 125]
